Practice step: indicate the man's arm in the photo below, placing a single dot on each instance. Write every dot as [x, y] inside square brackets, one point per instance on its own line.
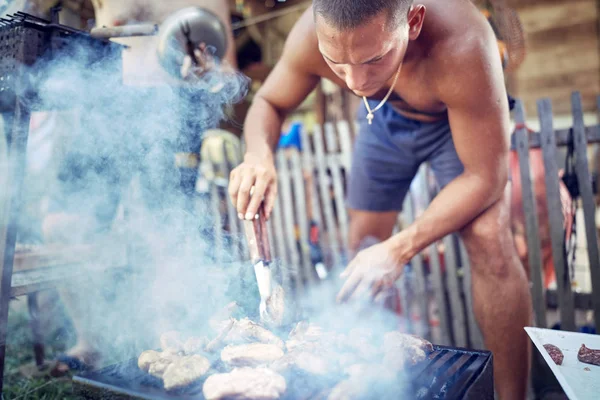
[474, 92]
[290, 82]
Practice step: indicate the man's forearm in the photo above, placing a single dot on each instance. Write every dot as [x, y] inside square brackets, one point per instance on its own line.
[262, 128]
[455, 206]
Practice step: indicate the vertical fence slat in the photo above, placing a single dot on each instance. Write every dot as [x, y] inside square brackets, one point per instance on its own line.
[456, 305]
[345, 144]
[531, 218]
[311, 188]
[303, 224]
[331, 227]
[338, 190]
[438, 285]
[421, 290]
[288, 216]
[555, 216]
[224, 168]
[283, 256]
[587, 198]
[215, 202]
[475, 336]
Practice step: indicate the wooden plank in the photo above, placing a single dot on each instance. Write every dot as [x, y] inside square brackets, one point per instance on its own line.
[288, 217]
[587, 199]
[309, 169]
[303, 223]
[420, 292]
[475, 336]
[541, 17]
[456, 306]
[439, 287]
[338, 190]
[532, 229]
[330, 227]
[562, 137]
[555, 216]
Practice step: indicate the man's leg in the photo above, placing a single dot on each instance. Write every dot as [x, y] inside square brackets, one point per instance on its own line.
[368, 228]
[501, 297]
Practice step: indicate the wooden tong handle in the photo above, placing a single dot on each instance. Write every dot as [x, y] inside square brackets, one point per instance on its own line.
[258, 237]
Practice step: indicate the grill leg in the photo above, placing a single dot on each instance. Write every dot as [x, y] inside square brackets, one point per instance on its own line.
[36, 332]
[9, 216]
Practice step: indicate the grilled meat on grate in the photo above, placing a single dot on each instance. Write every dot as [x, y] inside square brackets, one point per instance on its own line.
[245, 383]
[185, 371]
[253, 354]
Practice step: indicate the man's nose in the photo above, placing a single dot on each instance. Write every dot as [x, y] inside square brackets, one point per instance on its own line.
[356, 78]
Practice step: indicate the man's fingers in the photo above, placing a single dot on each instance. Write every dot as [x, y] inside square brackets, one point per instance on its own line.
[270, 197]
[348, 288]
[235, 178]
[256, 198]
[362, 291]
[243, 196]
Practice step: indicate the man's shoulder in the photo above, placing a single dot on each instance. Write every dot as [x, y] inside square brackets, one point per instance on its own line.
[302, 47]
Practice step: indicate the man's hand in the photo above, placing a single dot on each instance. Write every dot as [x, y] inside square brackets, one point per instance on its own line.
[258, 172]
[371, 272]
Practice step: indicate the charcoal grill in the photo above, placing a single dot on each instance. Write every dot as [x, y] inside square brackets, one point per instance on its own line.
[449, 373]
[27, 45]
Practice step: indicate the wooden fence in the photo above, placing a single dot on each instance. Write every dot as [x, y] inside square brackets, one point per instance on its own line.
[435, 290]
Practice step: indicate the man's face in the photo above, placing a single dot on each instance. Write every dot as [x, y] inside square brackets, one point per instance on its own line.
[365, 57]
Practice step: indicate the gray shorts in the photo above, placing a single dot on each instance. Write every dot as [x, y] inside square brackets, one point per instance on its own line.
[387, 156]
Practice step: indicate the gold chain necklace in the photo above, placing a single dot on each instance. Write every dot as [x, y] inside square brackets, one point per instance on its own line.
[370, 114]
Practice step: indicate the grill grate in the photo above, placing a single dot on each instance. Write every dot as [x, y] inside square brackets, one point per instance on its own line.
[449, 373]
[26, 40]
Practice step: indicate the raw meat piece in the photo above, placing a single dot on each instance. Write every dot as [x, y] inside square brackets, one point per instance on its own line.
[275, 307]
[158, 367]
[588, 356]
[185, 371]
[250, 354]
[402, 349]
[245, 330]
[245, 383]
[555, 354]
[147, 358]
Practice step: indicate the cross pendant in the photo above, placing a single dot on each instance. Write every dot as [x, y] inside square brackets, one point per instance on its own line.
[370, 118]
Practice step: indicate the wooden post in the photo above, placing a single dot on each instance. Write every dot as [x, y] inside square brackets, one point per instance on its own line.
[345, 144]
[555, 216]
[531, 218]
[587, 199]
[338, 190]
[284, 260]
[216, 211]
[331, 227]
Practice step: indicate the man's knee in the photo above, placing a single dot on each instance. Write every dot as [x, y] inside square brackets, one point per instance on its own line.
[488, 241]
[369, 228]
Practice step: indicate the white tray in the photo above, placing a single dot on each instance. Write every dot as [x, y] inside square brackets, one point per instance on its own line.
[577, 382]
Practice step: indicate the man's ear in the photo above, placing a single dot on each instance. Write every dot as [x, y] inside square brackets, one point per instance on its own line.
[416, 16]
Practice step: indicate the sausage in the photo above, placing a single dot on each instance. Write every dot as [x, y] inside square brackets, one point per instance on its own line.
[588, 356]
[555, 353]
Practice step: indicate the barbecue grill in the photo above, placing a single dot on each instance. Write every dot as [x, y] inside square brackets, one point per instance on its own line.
[449, 373]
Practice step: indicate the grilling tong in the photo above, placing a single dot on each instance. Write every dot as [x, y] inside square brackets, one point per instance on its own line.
[260, 256]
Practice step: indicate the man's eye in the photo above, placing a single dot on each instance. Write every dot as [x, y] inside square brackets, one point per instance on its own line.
[375, 61]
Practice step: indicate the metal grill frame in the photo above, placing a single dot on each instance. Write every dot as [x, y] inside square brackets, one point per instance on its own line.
[462, 374]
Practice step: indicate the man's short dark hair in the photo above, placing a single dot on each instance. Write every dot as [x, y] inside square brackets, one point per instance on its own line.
[349, 14]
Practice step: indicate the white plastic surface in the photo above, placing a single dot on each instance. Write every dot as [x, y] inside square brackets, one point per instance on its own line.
[580, 381]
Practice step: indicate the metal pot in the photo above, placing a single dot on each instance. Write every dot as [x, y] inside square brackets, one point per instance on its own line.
[189, 27]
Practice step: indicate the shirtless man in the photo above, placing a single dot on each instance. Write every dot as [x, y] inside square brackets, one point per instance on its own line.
[448, 106]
